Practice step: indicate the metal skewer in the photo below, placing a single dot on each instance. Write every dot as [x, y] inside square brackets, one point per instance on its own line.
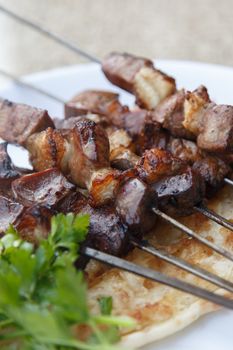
[228, 181]
[30, 86]
[157, 277]
[184, 265]
[193, 234]
[214, 216]
[49, 34]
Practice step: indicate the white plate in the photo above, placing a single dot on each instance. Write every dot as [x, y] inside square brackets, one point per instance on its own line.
[213, 331]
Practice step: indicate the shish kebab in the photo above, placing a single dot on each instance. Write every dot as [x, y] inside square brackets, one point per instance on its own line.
[36, 196]
[70, 46]
[150, 135]
[82, 153]
[157, 212]
[145, 272]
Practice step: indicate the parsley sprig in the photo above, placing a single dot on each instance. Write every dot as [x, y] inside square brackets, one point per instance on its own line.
[43, 298]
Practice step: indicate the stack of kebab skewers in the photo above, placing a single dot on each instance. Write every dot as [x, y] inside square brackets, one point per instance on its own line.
[94, 147]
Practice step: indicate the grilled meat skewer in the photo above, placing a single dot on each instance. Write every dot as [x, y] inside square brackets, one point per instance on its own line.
[147, 133]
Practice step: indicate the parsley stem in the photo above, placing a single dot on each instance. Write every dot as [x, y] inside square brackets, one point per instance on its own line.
[97, 332]
[12, 335]
[76, 344]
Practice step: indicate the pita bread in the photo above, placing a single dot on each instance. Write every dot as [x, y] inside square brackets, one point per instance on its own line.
[159, 310]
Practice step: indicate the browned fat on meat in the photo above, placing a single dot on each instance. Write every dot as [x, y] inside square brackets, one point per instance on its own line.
[89, 151]
[93, 101]
[170, 113]
[157, 163]
[139, 76]
[47, 149]
[121, 68]
[19, 121]
[47, 187]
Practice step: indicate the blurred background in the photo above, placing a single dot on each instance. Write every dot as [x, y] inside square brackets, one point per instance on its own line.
[198, 30]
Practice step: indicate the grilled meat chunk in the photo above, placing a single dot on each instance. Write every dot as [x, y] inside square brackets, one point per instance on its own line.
[122, 149]
[34, 223]
[157, 163]
[195, 105]
[104, 103]
[19, 121]
[183, 149]
[170, 113]
[152, 136]
[103, 186]
[138, 76]
[121, 69]
[178, 194]
[213, 170]
[134, 202]
[216, 133]
[212, 124]
[89, 151]
[47, 187]
[47, 150]
[107, 232]
[10, 211]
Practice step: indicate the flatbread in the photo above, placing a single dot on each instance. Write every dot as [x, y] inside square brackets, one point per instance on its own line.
[159, 310]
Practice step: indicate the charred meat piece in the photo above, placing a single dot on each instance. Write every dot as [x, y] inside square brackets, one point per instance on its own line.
[213, 170]
[138, 76]
[183, 149]
[216, 132]
[103, 186]
[134, 202]
[107, 231]
[121, 69]
[122, 149]
[195, 105]
[123, 159]
[152, 136]
[98, 102]
[19, 121]
[47, 150]
[89, 151]
[177, 195]
[10, 211]
[170, 113]
[47, 187]
[157, 163]
[34, 223]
